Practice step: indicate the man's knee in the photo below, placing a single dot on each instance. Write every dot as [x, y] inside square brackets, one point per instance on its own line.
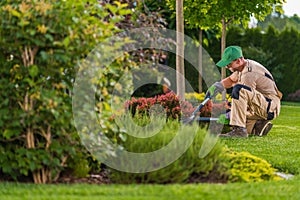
[236, 90]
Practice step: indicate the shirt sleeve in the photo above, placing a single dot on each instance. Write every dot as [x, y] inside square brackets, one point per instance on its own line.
[234, 77]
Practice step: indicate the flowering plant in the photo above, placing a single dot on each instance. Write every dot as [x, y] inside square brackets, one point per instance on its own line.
[195, 96]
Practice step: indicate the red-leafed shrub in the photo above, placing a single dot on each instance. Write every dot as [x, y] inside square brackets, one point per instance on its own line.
[186, 109]
[206, 110]
[173, 108]
[140, 105]
[171, 104]
[215, 109]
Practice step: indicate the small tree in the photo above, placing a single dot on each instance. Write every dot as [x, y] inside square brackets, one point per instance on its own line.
[180, 49]
[195, 16]
[239, 12]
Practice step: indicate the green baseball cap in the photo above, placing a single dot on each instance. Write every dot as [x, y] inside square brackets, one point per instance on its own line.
[230, 54]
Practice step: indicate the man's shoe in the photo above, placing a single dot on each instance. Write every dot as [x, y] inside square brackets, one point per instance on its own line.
[236, 132]
[262, 127]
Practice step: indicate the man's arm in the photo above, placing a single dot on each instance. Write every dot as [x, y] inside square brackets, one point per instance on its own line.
[230, 81]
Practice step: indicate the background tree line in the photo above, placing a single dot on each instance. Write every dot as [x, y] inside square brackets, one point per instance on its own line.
[275, 49]
[273, 42]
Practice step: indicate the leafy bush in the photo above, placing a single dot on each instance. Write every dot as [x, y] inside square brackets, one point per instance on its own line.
[199, 97]
[180, 171]
[294, 96]
[41, 43]
[195, 97]
[80, 168]
[245, 167]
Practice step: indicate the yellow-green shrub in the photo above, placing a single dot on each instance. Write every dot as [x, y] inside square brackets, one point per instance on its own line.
[245, 167]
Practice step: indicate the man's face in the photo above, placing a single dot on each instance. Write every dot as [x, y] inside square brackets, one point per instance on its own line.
[234, 65]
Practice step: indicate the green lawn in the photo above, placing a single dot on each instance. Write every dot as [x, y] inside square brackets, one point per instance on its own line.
[267, 190]
[282, 145]
[280, 148]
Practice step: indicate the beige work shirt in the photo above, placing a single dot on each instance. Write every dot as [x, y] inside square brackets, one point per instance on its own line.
[257, 77]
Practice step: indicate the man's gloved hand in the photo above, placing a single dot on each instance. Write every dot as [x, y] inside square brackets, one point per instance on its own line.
[223, 119]
[213, 90]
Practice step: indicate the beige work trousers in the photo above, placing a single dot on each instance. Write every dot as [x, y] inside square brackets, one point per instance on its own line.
[249, 107]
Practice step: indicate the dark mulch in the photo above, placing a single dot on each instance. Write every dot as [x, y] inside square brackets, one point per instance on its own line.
[99, 178]
[103, 178]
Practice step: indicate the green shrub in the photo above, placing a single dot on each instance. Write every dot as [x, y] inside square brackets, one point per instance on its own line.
[245, 167]
[186, 166]
[41, 44]
[81, 169]
[79, 166]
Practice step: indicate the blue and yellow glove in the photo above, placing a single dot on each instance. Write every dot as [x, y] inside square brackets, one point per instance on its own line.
[213, 90]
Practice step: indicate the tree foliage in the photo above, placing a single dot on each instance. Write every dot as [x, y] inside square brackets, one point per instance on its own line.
[280, 22]
[196, 13]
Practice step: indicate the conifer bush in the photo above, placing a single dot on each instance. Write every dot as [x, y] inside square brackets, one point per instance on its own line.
[180, 171]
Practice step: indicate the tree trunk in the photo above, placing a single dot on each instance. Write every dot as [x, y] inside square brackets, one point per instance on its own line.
[223, 46]
[28, 56]
[180, 50]
[200, 89]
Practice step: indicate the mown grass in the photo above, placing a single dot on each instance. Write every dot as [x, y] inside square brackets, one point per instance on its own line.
[265, 190]
[280, 148]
